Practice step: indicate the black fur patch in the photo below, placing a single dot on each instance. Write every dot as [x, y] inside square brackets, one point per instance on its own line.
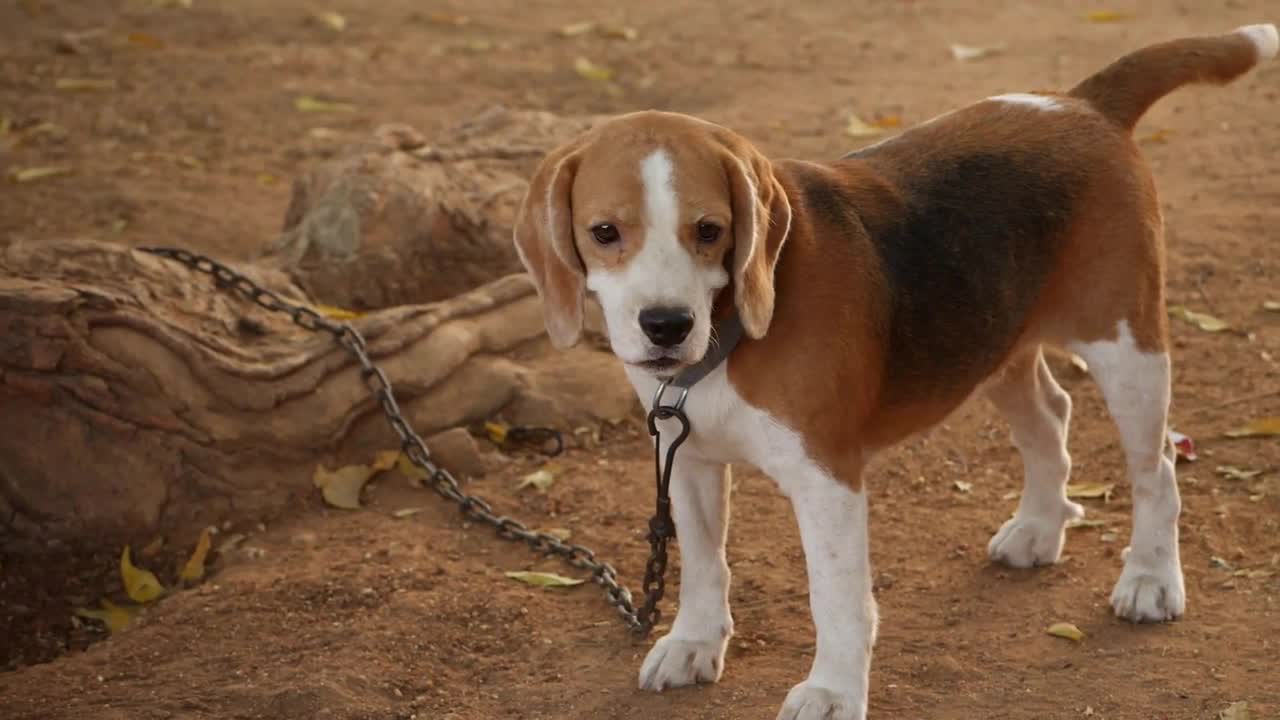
[966, 261]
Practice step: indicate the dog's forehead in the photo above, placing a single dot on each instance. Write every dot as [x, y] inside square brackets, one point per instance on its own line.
[628, 156]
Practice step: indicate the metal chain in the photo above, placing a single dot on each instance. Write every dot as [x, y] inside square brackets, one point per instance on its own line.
[661, 526]
[440, 480]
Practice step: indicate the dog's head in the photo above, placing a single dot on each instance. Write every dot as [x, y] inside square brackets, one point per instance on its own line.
[657, 214]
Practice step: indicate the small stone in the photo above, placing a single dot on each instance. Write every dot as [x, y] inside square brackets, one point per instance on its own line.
[456, 451]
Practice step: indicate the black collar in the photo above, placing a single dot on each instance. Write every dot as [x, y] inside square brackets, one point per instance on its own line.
[724, 337]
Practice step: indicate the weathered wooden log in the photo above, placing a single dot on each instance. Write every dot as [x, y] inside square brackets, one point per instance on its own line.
[137, 396]
[397, 219]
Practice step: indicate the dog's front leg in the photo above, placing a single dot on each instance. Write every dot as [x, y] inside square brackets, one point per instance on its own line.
[833, 528]
[693, 651]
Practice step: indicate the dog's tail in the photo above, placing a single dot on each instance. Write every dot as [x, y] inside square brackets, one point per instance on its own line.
[1126, 88]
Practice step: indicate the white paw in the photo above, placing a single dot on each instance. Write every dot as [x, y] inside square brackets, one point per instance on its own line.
[1026, 540]
[676, 662]
[1149, 592]
[810, 702]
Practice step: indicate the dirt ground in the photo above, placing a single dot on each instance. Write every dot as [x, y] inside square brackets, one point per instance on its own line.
[325, 614]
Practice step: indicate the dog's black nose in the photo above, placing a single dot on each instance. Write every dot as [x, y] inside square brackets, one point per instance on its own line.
[666, 326]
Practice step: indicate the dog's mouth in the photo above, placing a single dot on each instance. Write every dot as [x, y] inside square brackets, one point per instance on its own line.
[661, 364]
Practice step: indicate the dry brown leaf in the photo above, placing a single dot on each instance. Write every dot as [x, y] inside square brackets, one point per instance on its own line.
[407, 512]
[591, 71]
[337, 313]
[544, 579]
[1089, 491]
[84, 84]
[439, 18]
[139, 584]
[619, 32]
[1262, 427]
[31, 174]
[143, 40]
[857, 127]
[1159, 137]
[576, 29]
[1236, 711]
[330, 19]
[1066, 630]
[193, 569]
[1232, 472]
[1205, 322]
[308, 104]
[539, 480]
[965, 53]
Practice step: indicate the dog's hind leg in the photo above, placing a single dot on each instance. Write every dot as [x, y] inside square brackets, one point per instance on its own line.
[1038, 411]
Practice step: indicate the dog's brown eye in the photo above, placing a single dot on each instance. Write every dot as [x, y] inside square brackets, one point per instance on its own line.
[605, 234]
[708, 232]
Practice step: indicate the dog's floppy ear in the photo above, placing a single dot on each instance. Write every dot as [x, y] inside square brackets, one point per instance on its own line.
[544, 241]
[761, 221]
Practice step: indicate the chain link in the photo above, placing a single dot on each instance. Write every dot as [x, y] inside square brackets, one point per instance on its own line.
[439, 479]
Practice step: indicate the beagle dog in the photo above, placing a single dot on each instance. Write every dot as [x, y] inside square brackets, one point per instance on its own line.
[873, 295]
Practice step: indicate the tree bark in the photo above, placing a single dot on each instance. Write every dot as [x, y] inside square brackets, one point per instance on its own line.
[136, 396]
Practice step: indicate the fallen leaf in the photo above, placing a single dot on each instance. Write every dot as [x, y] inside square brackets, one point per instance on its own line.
[963, 486]
[439, 18]
[407, 468]
[591, 71]
[308, 104]
[82, 84]
[331, 20]
[575, 29]
[1084, 523]
[152, 547]
[1183, 446]
[1011, 495]
[407, 512]
[542, 579]
[1218, 563]
[1232, 472]
[1205, 322]
[1262, 427]
[1108, 537]
[139, 584]
[337, 313]
[619, 32]
[857, 127]
[143, 40]
[31, 174]
[965, 53]
[1066, 630]
[1159, 137]
[1090, 490]
[1271, 306]
[1236, 711]
[384, 460]
[6, 123]
[478, 45]
[341, 488]
[561, 534]
[539, 480]
[497, 432]
[115, 617]
[1106, 16]
[193, 570]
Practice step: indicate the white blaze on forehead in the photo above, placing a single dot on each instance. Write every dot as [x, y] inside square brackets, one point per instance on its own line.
[662, 217]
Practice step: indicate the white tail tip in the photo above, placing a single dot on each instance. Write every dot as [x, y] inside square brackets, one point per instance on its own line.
[1264, 38]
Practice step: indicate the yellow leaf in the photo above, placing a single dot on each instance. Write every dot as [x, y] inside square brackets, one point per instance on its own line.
[887, 121]
[193, 570]
[1106, 16]
[539, 480]
[1160, 137]
[1084, 523]
[1262, 427]
[267, 179]
[384, 460]
[546, 580]
[6, 123]
[409, 469]
[1232, 472]
[79, 84]
[963, 486]
[407, 512]
[115, 617]
[1066, 630]
[965, 53]
[1271, 305]
[575, 29]
[1208, 323]
[497, 432]
[308, 104]
[619, 32]
[1236, 711]
[561, 534]
[479, 45]
[439, 18]
[1090, 490]
[331, 20]
[857, 127]
[31, 174]
[337, 313]
[141, 585]
[144, 40]
[341, 488]
[591, 71]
